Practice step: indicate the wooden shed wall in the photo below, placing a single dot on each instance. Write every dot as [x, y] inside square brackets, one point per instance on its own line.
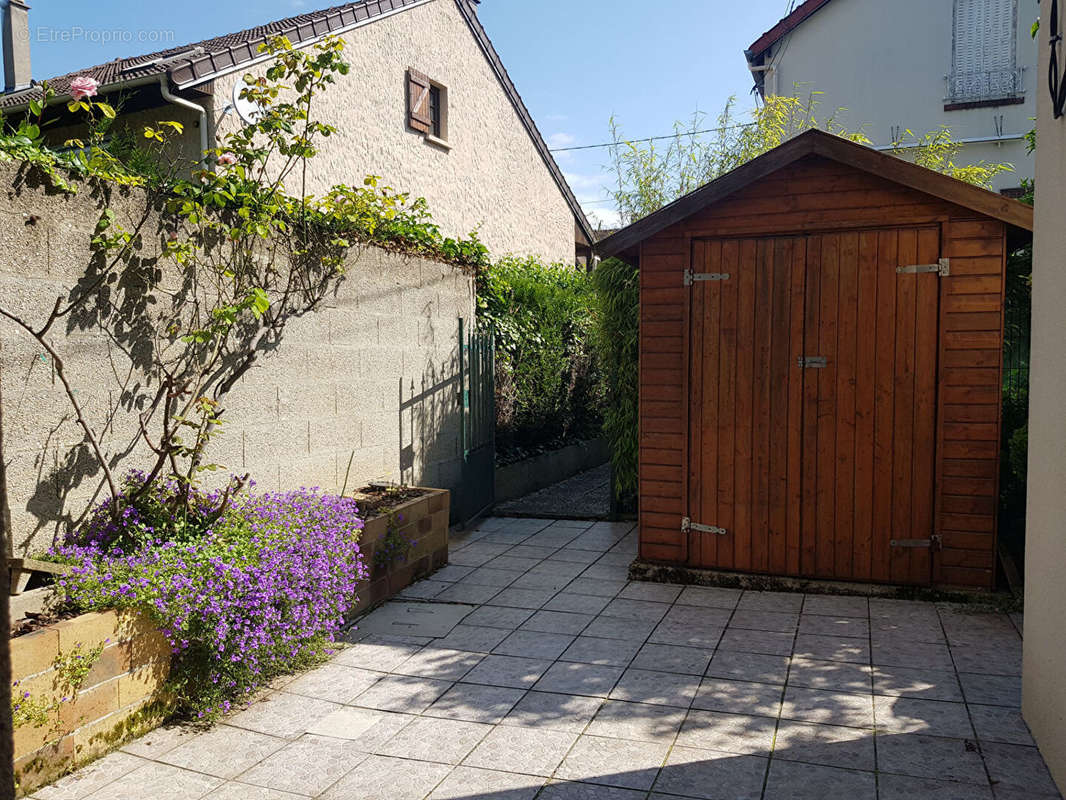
[817, 194]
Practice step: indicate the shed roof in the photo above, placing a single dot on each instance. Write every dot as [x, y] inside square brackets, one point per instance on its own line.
[1017, 215]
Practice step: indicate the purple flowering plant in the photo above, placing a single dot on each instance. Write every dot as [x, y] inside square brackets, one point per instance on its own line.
[244, 596]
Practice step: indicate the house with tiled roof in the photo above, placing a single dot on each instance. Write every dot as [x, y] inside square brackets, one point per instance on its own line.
[917, 65]
[428, 106]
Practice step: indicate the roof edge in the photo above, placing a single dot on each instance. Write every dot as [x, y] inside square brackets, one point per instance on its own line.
[784, 27]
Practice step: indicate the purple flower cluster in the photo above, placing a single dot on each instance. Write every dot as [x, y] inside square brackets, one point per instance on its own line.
[259, 592]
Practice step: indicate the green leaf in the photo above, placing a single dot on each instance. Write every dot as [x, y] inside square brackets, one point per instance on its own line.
[106, 110]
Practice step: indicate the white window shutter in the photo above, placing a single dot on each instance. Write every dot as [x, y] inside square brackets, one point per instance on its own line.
[983, 56]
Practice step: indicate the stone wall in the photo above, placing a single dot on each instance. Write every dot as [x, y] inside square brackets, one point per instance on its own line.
[370, 379]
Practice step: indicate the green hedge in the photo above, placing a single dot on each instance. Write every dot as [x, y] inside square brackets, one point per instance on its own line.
[548, 388]
[617, 337]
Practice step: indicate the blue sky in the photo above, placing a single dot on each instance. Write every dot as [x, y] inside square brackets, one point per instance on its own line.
[575, 62]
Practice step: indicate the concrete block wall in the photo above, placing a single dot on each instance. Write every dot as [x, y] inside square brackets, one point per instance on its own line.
[370, 378]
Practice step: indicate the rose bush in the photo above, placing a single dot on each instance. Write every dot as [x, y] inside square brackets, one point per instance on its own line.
[242, 597]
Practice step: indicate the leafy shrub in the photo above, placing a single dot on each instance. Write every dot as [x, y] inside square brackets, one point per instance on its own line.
[617, 338]
[547, 383]
[255, 592]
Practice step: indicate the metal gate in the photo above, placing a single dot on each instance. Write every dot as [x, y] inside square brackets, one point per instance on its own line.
[477, 371]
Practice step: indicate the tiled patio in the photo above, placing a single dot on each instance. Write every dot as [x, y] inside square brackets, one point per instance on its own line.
[566, 682]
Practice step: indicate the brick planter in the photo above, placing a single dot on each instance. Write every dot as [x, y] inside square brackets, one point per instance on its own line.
[425, 520]
[119, 697]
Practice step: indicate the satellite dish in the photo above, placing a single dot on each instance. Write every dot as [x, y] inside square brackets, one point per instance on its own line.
[248, 111]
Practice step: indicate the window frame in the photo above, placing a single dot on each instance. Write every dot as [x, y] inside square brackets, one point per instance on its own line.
[957, 100]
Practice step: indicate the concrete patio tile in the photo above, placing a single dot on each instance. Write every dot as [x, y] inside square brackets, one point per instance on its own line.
[658, 592]
[564, 569]
[307, 766]
[557, 622]
[376, 654]
[1007, 793]
[836, 676]
[704, 617]
[924, 683]
[932, 717]
[709, 597]
[730, 733]
[513, 561]
[992, 690]
[901, 787]
[573, 790]
[590, 680]
[749, 666]
[712, 775]
[833, 648]
[673, 658]
[281, 714]
[916, 655]
[242, 749]
[534, 644]
[999, 724]
[470, 782]
[625, 559]
[637, 721]
[437, 662]
[907, 629]
[498, 617]
[604, 652]
[966, 627]
[596, 586]
[572, 555]
[657, 688]
[472, 555]
[541, 581]
[738, 697]
[162, 740]
[530, 551]
[986, 660]
[402, 693]
[834, 626]
[158, 782]
[334, 682]
[836, 605]
[523, 598]
[764, 621]
[829, 708]
[528, 750]
[425, 589]
[564, 712]
[930, 757]
[234, 790]
[513, 671]
[620, 628]
[1012, 766]
[385, 778]
[687, 634]
[452, 573]
[89, 779]
[489, 576]
[790, 780]
[577, 603]
[473, 703]
[828, 745]
[444, 741]
[644, 610]
[366, 728]
[613, 762]
[468, 593]
[771, 601]
[472, 638]
[765, 642]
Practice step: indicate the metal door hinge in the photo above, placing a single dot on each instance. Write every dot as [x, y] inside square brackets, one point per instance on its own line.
[933, 542]
[694, 277]
[812, 362]
[941, 268]
[688, 525]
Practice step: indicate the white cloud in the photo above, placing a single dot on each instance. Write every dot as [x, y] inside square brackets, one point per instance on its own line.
[561, 139]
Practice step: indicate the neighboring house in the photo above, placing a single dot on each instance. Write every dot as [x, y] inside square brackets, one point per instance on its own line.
[913, 65]
[428, 106]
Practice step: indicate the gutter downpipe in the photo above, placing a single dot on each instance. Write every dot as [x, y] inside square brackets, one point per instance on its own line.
[164, 90]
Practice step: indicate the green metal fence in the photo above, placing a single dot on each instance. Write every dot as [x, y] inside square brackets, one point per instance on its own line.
[477, 371]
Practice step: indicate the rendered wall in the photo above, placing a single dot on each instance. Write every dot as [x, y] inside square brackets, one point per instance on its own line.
[370, 378]
[1044, 690]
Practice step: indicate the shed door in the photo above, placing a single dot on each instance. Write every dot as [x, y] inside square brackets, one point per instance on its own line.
[825, 469]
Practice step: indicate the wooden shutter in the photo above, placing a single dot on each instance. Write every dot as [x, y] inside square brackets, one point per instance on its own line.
[418, 111]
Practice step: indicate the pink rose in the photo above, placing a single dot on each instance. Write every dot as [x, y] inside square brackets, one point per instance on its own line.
[226, 159]
[83, 86]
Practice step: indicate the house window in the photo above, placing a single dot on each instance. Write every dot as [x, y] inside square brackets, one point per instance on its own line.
[983, 58]
[427, 107]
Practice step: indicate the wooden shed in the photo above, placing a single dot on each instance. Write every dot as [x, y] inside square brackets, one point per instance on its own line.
[820, 377]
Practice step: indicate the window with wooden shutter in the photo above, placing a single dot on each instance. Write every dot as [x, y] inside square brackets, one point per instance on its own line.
[983, 63]
[418, 106]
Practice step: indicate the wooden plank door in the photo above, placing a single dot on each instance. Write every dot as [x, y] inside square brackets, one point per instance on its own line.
[744, 441]
[869, 414]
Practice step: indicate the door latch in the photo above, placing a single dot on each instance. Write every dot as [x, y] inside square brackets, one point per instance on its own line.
[812, 362]
[688, 525]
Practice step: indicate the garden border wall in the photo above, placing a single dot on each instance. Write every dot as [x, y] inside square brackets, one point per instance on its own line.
[532, 474]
